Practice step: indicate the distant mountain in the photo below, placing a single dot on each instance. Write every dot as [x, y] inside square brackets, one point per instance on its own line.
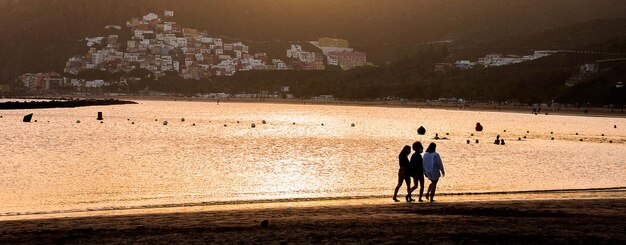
[603, 35]
[39, 35]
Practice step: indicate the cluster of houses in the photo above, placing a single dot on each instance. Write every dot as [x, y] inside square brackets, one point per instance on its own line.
[55, 82]
[162, 46]
[334, 52]
[492, 60]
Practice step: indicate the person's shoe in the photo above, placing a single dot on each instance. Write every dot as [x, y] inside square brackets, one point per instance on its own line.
[432, 200]
[426, 196]
[396, 199]
[420, 200]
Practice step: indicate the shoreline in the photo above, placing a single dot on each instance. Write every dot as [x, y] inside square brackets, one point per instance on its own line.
[566, 111]
[568, 220]
[61, 103]
[603, 193]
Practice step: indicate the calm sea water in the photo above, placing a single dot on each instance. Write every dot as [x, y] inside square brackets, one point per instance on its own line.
[58, 165]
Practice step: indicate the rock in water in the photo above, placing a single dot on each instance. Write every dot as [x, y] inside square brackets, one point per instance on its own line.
[28, 118]
[265, 223]
[421, 131]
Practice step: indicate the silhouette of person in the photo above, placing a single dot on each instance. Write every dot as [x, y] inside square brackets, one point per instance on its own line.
[479, 127]
[403, 173]
[502, 142]
[417, 169]
[497, 142]
[433, 169]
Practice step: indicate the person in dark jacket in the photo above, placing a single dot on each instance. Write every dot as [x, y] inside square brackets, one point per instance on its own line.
[417, 169]
[404, 173]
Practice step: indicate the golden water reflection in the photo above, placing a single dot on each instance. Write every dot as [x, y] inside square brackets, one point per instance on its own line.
[57, 164]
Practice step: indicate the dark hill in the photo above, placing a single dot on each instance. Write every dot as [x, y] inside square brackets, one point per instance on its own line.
[39, 35]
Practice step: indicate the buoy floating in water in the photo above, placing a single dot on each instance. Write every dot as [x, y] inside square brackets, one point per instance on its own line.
[182, 119]
[610, 141]
[225, 125]
[77, 121]
[602, 135]
[552, 138]
[193, 124]
[132, 123]
[253, 125]
[156, 120]
[264, 122]
[528, 132]
[421, 130]
[101, 122]
[353, 125]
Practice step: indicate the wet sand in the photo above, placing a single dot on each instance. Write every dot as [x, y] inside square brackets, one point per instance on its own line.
[565, 221]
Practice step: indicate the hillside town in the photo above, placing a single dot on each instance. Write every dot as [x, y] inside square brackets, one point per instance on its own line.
[493, 60]
[159, 45]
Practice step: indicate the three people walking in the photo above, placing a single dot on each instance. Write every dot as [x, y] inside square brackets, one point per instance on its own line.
[417, 167]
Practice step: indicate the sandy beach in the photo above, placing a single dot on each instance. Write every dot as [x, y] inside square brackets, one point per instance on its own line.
[565, 221]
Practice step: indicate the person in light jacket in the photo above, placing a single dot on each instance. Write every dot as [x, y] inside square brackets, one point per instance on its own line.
[433, 169]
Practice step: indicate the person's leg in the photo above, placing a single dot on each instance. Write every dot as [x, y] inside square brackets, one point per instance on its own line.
[414, 186]
[421, 183]
[400, 179]
[428, 190]
[407, 179]
[432, 191]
